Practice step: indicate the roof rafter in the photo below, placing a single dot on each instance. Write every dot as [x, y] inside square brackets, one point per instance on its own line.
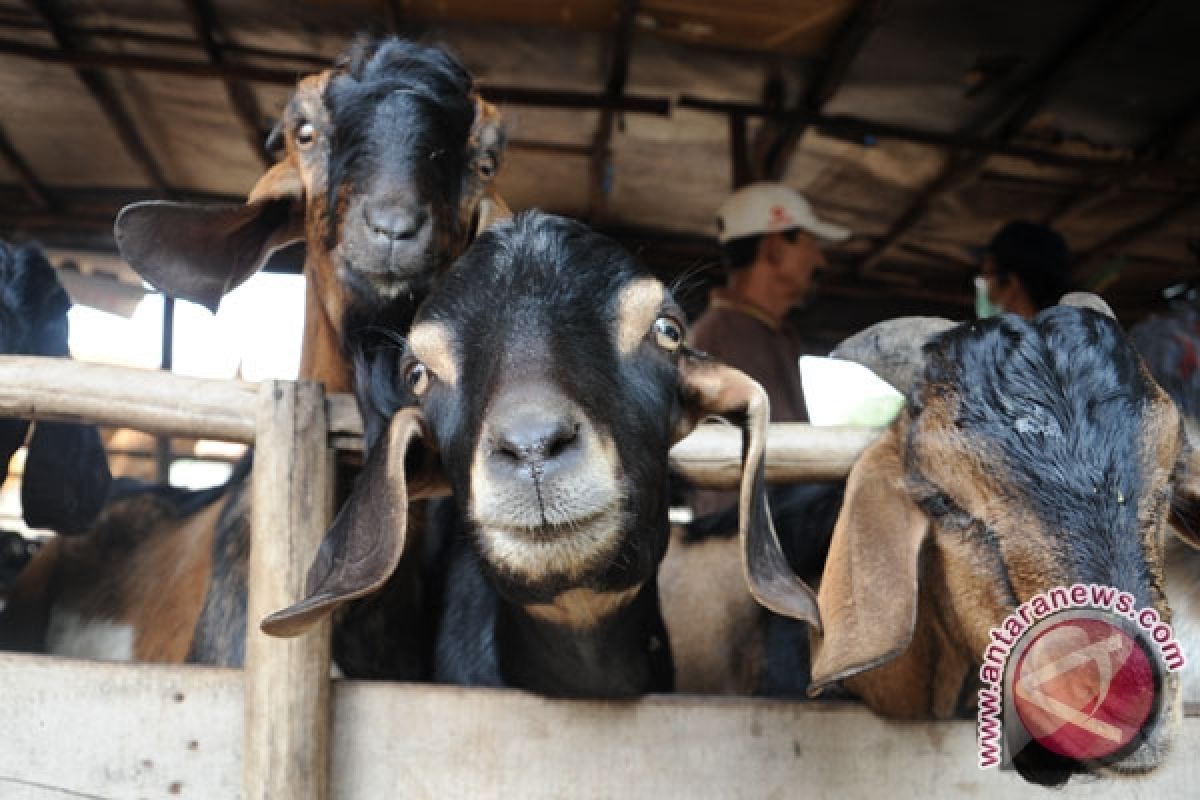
[858, 130]
[101, 89]
[1092, 269]
[513, 95]
[777, 142]
[600, 165]
[34, 189]
[1005, 117]
[1158, 144]
[241, 97]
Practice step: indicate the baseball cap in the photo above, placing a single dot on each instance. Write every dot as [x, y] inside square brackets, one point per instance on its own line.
[769, 208]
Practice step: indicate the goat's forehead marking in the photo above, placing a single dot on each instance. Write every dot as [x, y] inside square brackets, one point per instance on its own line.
[434, 344]
[309, 97]
[638, 305]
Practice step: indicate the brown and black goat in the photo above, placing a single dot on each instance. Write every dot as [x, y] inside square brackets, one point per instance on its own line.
[1030, 455]
[544, 381]
[388, 161]
[386, 176]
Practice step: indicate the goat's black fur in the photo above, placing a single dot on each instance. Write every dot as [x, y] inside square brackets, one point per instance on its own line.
[401, 114]
[66, 471]
[1057, 405]
[537, 297]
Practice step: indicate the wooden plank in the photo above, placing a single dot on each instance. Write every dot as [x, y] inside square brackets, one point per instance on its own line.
[163, 403]
[711, 456]
[442, 742]
[75, 729]
[287, 707]
[152, 401]
[504, 744]
[156, 402]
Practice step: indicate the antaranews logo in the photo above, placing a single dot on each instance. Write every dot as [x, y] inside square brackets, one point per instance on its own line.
[1079, 670]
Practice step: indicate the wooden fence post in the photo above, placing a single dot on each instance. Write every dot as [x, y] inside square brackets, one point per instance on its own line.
[285, 749]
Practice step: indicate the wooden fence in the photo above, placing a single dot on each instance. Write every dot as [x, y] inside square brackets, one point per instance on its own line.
[280, 729]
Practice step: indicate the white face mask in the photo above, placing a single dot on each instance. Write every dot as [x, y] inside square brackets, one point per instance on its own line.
[984, 307]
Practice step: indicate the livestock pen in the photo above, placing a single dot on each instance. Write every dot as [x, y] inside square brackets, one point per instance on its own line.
[281, 728]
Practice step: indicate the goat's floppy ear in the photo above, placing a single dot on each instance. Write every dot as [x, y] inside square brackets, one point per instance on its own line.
[868, 595]
[712, 388]
[363, 547]
[66, 477]
[201, 252]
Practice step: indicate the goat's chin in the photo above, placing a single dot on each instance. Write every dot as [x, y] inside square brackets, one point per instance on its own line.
[563, 551]
[379, 276]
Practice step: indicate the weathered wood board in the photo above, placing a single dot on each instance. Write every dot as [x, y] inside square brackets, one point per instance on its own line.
[88, 730]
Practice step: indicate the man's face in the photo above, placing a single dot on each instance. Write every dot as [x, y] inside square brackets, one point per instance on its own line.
[1005, 292]
[799, 259]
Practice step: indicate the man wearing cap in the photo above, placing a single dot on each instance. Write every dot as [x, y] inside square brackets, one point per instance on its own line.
[771, 240]
[1026, 268]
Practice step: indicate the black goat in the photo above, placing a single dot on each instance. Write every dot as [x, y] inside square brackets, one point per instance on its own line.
[550, 378]
[66, 475]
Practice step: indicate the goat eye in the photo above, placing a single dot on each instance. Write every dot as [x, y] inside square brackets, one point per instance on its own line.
[306, 134]
[487, 166]
[416, 377]
[668, 334]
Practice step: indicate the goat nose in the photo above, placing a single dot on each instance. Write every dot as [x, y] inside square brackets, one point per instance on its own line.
[535, 440]
[395, 223]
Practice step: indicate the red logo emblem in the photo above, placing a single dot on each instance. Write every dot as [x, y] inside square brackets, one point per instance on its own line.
[1084, 688]
[780, 217]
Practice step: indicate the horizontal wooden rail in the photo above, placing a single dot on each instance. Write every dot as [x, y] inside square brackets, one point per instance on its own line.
[150, 400]
[711, 457]
[175, 405]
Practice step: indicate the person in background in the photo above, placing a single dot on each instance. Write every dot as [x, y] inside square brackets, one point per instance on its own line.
[771, 243]
[1026, 268]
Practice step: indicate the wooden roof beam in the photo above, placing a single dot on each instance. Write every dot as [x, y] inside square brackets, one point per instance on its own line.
[102, 91]
[860, 131]
[241, 97]
[1001, 119]
[827, 79]
[600, 165]
[1158, 145]
[512, 95]
[119, 34]
[33, 187]
[1092, 268]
